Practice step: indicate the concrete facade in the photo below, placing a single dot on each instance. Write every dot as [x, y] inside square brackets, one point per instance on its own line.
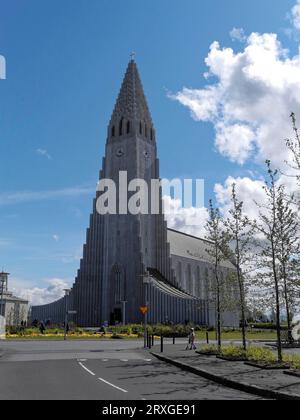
[128, 259]
[14, 309]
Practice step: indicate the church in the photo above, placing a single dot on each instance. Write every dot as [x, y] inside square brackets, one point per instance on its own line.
[132, 261]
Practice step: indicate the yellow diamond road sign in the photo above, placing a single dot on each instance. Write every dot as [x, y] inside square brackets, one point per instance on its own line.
[144, 309]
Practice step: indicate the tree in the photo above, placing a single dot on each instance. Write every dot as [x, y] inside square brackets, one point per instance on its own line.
[294, 147]
[240, 231]
[288, 248]
[277, 226]
[219, 251]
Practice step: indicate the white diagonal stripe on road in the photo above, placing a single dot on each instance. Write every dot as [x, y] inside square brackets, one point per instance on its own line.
[114, 386]
[89, 371]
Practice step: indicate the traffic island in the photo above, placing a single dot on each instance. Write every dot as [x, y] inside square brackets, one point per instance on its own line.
[268, 366]
[270, 384]
[292, 372]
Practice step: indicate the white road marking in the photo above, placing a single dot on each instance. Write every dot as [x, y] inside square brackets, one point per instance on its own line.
[124, 360]
[114, 386]
[85, 368]
[105, 360]
[148, 360]
[82, 360]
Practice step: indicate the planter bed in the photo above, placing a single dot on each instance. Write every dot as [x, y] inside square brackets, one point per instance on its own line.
[208, 353]
[268, 366]
[232, 358]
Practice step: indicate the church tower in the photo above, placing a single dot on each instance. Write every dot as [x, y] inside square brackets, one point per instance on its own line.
[126, 247]
[121, 247]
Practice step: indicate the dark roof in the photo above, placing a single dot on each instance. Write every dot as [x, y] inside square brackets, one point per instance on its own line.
[192, 247]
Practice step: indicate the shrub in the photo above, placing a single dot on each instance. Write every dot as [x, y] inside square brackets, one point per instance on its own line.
[233, 351]
[210, 348]
[261, 354]
[293, 360]
[267, 326]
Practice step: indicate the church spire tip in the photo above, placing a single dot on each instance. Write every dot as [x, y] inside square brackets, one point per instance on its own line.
[132, 56]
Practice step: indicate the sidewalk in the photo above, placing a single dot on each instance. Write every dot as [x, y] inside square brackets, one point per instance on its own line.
[272, 384]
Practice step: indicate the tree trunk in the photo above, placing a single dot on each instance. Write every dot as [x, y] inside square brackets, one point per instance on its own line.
[278, 326]
[286, 298]
[242, 306]
[219, 316]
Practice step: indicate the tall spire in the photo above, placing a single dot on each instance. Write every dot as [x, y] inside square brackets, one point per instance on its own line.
[131, 108]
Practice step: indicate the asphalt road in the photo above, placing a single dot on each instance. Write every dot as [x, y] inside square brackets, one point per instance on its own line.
[94, 370]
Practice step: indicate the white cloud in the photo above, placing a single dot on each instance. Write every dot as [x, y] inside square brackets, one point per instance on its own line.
[55, 237]
[39, 296]
[43, 152]
[238, 34]
[31, 196]
[250, 102]
[248, 190]
[295, 15]
[188, 220]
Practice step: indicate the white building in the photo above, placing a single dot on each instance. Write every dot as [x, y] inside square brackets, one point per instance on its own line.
[14, 309]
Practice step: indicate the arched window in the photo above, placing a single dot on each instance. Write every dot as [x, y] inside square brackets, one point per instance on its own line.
[121, 127]
[146, 130]
[151, 134]
[113, 131]
[128, 127]
[141, 128]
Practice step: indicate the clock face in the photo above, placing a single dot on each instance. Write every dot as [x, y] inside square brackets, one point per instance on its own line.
[146, 154]
[120, 152]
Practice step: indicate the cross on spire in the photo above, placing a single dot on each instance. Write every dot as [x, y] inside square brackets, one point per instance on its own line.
[132, 55]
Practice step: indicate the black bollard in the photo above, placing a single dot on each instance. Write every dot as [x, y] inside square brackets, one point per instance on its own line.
[207, 337]
[161, 343]
[174, 339]
[152, 340]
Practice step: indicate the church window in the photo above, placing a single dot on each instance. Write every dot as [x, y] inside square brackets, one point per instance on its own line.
[146, 130]
[113, 131]
[151, 134]
[128, 127]
[141, 128]
[121, 127]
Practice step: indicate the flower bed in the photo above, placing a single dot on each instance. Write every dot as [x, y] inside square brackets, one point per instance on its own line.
[260, 357]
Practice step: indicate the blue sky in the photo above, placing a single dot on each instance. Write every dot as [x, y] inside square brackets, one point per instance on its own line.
[65, 62]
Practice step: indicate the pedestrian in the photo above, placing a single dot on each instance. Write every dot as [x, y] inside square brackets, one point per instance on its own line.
[42, 327]
[192, 339]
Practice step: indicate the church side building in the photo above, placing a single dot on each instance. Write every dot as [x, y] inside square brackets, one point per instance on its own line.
[12, 308]
[132, 260]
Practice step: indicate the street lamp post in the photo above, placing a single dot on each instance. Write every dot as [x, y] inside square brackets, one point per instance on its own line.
[3, 281]
[67, 293]
[2, 292]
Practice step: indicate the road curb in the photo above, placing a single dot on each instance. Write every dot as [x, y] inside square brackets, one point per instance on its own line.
[222, 380]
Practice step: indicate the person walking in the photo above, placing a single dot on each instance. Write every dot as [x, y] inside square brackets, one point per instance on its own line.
[193, 338]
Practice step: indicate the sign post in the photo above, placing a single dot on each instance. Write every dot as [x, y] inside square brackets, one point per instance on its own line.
[145, 308]
[144, 311]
